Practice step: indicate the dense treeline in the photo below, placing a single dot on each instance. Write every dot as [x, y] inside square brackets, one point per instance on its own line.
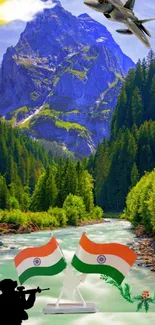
[140, 203]
[21, 163]
[121, 161]
[31, 180]
[136, 101]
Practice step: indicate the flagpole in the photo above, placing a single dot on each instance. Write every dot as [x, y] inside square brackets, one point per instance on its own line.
[80, 295]
[60, 296]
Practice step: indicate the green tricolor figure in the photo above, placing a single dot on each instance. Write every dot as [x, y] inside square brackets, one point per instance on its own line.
[46, 260]
[113, 260]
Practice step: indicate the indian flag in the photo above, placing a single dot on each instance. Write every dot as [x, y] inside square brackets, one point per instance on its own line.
[113, 260]
[46, 260]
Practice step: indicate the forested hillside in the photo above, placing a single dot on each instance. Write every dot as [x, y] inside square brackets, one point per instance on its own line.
[31, 180]
[140, 203]
[120, 162]
[21, 163]
[71, 73]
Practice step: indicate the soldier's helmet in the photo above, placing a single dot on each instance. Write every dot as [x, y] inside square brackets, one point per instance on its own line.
[8, 285]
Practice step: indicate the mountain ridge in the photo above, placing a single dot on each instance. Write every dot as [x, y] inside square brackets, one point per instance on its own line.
[72, 68]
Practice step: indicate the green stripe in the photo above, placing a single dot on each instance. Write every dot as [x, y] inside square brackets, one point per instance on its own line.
[43, 270]
[99, 269]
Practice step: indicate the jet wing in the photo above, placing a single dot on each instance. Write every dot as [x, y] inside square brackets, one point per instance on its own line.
[130, 4]
[137, 32]
[117, 3]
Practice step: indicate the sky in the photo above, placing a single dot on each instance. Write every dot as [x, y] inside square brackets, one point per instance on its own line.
[21, 11]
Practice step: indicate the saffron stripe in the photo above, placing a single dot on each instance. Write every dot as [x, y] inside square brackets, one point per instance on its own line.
[113, 248]
[43, 271]
[100, 269]
[111, 260]
[45, 250]
[46, 261]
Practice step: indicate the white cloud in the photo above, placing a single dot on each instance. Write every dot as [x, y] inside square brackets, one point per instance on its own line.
[24, 10]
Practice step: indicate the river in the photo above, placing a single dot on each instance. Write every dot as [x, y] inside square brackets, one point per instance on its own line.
[113, 309]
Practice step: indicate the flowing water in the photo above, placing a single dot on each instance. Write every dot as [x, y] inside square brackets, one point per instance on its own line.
[113, 309]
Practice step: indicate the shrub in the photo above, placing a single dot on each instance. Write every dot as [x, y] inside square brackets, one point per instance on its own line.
[13, 203]
[59, 214]
[13, 216]
[75, 209]
[97, 213]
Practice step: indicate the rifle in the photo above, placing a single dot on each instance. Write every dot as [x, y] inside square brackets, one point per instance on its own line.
[25, 292]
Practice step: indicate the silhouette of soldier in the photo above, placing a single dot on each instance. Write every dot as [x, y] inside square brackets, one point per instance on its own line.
[14, 303]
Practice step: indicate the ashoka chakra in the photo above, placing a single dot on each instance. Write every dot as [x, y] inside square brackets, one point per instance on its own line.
[101, 259]
[37, 261]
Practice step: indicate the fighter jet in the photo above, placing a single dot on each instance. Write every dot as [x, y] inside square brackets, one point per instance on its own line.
[115, 10]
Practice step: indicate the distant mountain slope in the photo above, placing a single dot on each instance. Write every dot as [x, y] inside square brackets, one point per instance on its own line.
[129, 154]
[62, 79]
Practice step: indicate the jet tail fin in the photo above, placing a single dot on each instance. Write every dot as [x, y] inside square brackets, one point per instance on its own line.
[143, 21]
[144, 29]
[130, 4]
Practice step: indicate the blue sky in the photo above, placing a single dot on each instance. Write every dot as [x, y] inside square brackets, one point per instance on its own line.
[9, 34]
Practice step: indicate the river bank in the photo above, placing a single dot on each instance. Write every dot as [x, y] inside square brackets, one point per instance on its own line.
[15, 228]
[107, 298]
[144, 246]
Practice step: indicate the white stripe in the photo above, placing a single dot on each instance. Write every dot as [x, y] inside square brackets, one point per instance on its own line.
[111, 260]
[48, 260]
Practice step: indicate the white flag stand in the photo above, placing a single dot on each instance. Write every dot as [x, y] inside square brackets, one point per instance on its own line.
[70, 283]
[78, 292]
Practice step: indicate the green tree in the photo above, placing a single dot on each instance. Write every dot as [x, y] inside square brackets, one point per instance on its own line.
[45, 194]
[4, 194]
[85, 190]
[75, 209]
[137, 107]
[134, 175]
[13, 203]
[69, 184]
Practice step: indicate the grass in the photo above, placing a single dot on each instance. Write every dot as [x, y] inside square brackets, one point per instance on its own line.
[52, 114]
[26, 64]
[47, 81]
[68, 125]
[94, 57]
[112, 215]
[46, 111]
[75, 111]
[113, 84]
[23, 109]
[118, 75]
[79, 74]
[86, 48]
[56, 81]
[49, 112]
[12, 121]
[25, 125]
[105, 111]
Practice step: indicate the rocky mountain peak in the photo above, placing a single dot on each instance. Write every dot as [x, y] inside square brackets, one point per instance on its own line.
[62, 79]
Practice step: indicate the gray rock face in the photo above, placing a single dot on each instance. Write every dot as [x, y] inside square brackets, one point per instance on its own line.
[71, 65]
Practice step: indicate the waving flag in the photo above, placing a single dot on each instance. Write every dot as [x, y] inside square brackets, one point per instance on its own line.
[46, 260]
[113, 260]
